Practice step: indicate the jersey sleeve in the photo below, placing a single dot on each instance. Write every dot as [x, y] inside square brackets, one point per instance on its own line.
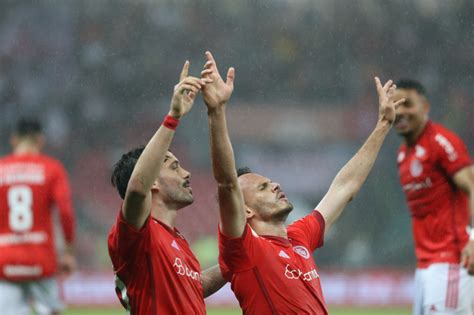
[308, 230]
[63, 200]
[235, 254]
[452, 153]
[127, 243]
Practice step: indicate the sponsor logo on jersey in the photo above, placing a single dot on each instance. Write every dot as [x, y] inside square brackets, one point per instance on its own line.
[283, 254]
[175, 245]
[183, 270]
[401, 157]
[420, 151]
[416, 168]
[418, 185]
[447, 146]
[302, 251]
[294, 274]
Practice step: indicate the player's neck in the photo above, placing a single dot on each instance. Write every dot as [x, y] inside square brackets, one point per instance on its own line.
[26, 148]
[269, 228]
[163, 213]
[413, 137]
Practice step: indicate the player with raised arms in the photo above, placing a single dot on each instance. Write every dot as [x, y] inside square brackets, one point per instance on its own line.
[156, 272]
[270, 264]
[31, 183]
[437, 178]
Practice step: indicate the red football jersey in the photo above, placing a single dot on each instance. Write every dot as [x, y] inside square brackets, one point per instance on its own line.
[275, 275]
[155, 270]
[30, 185]
[439, 210]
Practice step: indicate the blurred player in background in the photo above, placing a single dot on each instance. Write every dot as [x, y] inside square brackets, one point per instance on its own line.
[437, 178]
[156, 271]
[270, 265]
[31, 183]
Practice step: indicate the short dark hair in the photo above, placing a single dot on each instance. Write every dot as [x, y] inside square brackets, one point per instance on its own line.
[123, 170]
[28, 127]
[410, 84]
[243, 170]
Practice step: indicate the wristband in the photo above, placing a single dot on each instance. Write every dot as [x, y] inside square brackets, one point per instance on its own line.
[471, 235]
[170, 122]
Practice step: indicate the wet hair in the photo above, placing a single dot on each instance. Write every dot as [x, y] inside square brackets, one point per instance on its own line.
[123, 170]
[409, 84]
[28, 127]
[243, 170]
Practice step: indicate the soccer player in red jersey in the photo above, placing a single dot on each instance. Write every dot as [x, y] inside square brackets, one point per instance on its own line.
[270, 265]
[437, 177]
[156, 272]
[30, 184]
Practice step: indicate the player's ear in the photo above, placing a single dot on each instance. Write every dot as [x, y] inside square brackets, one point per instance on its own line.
[249, 213]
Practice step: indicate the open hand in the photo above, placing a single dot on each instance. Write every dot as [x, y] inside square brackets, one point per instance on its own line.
[185, 92]
[387, 104]
[218, 92]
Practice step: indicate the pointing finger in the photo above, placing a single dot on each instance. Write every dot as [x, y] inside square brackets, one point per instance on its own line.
[184, 71]
[210, 57]
[230, 77]
[378, 84]
[387, 85]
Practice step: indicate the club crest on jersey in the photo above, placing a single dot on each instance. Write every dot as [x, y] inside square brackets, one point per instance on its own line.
[416, 168]
[420, 151]
[400, 157]
[302, 251]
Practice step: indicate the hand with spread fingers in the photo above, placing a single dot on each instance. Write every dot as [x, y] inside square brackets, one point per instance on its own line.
[387, 104]
[218, 92]
[185, 92]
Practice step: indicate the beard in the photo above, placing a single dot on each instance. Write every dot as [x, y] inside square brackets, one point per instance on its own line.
[280, 213]
[179, 197]
[285, 211]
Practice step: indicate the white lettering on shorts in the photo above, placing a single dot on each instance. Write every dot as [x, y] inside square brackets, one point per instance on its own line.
[22, 270]
[183, 270]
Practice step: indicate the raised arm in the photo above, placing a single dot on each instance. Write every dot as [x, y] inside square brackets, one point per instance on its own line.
[350, 178]
[137, 201]
[231, 203]
[464, 179]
